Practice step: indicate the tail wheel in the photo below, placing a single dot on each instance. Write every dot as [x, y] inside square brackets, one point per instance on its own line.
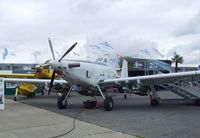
[61, 104]
[108, 103]
[154, 102]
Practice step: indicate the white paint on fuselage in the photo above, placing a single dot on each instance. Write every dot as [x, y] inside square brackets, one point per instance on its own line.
[88, 74]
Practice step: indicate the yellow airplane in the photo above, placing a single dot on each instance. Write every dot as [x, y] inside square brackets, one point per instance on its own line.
[28, 89]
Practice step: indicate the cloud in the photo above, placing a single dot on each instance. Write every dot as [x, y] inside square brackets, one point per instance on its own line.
[128, 25]
[190, 27]
[190, 52]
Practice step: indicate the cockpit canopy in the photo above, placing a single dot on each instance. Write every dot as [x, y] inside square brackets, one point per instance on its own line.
[102, 60]
[105, 61]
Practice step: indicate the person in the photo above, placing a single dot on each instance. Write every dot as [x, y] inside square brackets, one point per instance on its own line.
[45, 88]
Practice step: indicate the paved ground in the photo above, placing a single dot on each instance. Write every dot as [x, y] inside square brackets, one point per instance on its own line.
[133, 116]
[23, 121]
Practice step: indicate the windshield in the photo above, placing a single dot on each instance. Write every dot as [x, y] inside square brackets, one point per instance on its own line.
[99, 60]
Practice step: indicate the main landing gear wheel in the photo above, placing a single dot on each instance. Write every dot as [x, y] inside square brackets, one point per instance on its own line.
[61, 104]
[154, 102]
[108, 103]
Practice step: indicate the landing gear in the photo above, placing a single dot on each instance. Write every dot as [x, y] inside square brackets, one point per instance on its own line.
[16, 93]
[62, 99]
[15, 98]
[61, 102]
[197, 102]
[125, 96]
[108, 103]
[153, 96]
[154, 102]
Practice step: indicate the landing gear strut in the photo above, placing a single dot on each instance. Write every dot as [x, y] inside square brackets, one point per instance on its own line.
[16, 93]
[108, 101]
[153, 96]
[61, 104]
[62, 99]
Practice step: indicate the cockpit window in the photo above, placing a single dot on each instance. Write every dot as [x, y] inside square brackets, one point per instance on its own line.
[99, 59]
[105, 60]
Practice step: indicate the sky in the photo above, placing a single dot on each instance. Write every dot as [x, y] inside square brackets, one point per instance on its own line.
[131, 27]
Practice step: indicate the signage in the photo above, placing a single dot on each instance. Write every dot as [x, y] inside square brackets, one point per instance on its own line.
[2, 94]
[138, 63]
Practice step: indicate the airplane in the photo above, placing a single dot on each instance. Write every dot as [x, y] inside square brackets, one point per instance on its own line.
[28, 89]
[95, 78]
[99, 77]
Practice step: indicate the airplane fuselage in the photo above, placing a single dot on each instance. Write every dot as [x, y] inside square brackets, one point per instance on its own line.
[88, 74]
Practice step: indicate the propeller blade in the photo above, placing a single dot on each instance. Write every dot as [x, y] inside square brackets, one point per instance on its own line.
[51, 47]
[45, 64]
[68, 51]
[52, 80]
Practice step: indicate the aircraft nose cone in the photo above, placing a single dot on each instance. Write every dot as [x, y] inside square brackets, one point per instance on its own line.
[55, 65]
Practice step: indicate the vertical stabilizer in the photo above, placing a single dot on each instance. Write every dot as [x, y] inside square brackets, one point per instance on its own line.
[124, 71]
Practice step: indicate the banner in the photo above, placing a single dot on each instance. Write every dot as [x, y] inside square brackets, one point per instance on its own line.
[2, 101]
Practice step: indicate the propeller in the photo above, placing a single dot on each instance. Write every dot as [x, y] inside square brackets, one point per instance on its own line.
[54, 71]
[51, 47]
[45, 64]
[70, 49]
[52, 80]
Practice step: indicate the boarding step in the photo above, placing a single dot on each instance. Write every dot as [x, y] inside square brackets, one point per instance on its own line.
[183, 91]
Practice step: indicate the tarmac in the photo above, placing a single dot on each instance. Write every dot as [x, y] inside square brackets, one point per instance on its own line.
[19, 120]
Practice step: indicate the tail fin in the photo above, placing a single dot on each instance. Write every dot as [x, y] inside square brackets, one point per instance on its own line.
[124, 71]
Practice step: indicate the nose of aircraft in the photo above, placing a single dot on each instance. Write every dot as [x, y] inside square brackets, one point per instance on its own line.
[56, 65]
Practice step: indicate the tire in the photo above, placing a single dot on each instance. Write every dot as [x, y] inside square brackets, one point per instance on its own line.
[60, 103]
[125, 96]
[197, 102]
[154, 102]
[15, 99]
[108, 103]
[33, 94]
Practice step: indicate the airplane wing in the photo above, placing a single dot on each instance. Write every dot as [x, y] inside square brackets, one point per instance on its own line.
[17, 75]
[153, 79]
[31, 80]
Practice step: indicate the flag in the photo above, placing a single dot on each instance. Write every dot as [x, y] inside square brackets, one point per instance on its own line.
[144, 52]
[5, 53]
[12, 54]
[157, 52]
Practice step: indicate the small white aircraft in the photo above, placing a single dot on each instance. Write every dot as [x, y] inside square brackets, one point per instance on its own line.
[94, 78]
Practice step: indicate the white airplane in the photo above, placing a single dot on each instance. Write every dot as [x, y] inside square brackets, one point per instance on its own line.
[94, 78]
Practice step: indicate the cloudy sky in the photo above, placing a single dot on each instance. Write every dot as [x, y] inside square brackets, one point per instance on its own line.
[130, 26]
